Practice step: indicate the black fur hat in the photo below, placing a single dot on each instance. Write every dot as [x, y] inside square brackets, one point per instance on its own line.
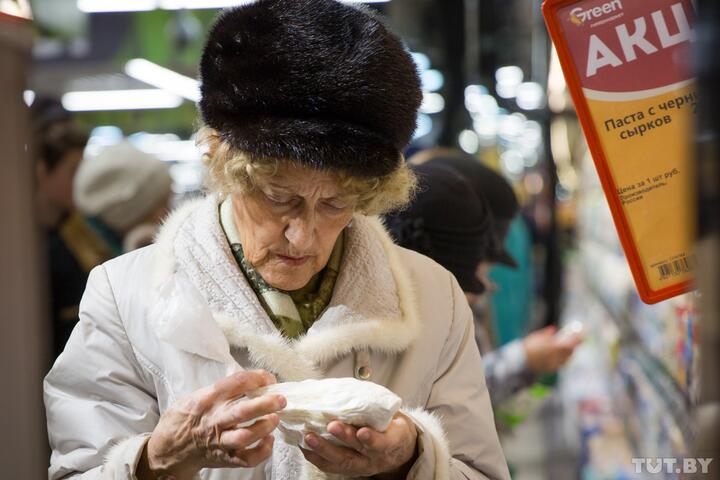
[316, 81]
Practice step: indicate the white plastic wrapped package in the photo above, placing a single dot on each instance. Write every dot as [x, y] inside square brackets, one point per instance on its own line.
[312, 404]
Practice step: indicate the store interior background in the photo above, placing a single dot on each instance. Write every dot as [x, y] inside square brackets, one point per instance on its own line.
[645, 381]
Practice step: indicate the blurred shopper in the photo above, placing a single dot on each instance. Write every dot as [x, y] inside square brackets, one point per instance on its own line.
[512, 301]
[451, 224]
[93, 209]
[72, 248]
[124, 193]
[58, 147]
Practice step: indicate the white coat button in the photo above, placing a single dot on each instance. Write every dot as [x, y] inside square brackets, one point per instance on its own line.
[363, 372]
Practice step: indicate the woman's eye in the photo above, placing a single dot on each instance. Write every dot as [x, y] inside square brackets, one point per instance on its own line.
[336, 206]
[280, 201]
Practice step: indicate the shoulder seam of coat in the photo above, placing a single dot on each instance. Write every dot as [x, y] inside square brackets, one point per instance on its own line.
[452, 318]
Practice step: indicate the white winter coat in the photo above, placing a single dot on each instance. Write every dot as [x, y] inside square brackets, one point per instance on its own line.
[393, 311]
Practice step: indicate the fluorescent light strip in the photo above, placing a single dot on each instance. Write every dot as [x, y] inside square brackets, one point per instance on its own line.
[432, 103]
[163, 78]
[119, 100]
[198, 4]
[102, 6]
[106, 6]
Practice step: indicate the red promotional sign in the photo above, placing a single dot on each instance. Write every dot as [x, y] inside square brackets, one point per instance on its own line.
[627, 66]
[614, 51]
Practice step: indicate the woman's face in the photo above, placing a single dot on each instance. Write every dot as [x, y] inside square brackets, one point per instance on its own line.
[289, 223]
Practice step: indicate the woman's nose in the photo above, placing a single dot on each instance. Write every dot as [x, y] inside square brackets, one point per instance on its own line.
[300, 233]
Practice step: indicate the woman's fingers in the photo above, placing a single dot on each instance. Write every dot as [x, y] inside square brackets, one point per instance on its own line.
[204, 425]
[378, 452]
[345, 433]
[252, 457]
[340, 459]
[371, 439]
[320, 462]
[380, 442]
[246, 410]
[241, 438]
[237, 384]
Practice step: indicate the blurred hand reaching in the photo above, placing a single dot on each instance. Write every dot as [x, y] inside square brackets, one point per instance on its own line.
[547, 351]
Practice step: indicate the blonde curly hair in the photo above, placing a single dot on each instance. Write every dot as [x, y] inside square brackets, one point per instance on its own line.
[231, 171]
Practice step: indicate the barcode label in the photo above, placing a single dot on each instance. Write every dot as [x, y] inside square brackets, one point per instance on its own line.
[675, 267]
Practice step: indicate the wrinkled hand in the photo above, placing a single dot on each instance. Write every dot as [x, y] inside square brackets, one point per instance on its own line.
[208, 429]
[546, 351]
[371, 452]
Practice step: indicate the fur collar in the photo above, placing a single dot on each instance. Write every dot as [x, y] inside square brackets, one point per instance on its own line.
[373, 305]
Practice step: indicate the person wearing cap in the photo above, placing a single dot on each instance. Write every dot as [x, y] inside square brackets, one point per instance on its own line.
[502, 202]
[282, 273]
[123, 193]
[118, 199]
[489, 185]
[511, 284]
[447, 222]
[453, 222]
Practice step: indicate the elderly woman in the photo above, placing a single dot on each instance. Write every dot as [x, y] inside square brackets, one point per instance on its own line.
[281, 274]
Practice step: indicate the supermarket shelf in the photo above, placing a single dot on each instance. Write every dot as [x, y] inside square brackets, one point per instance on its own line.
[679, 401]
[613, 396]
[675, 411]
[625, 308]
[653, 404]
[597, 403]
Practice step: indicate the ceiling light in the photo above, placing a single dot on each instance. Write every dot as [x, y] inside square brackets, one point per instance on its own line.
[469, 141]
[163, 78]
[101, 100]
[101, 6]
[530, 96]
[507, 80]
[432, 80]
[510, 75]
[432, 103]
[421, 60]
[512, 161]
[424, 125]
[106, 6]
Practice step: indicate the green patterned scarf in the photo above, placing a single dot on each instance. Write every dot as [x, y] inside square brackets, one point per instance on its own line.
[293, 313]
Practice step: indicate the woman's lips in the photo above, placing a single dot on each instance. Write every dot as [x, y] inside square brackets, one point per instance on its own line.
[293, 261]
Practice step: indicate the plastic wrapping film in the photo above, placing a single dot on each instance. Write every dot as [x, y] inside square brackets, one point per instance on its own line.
[312, 404]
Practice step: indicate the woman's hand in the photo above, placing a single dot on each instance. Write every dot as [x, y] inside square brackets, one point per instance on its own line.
[392, 452]
[209, 428]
